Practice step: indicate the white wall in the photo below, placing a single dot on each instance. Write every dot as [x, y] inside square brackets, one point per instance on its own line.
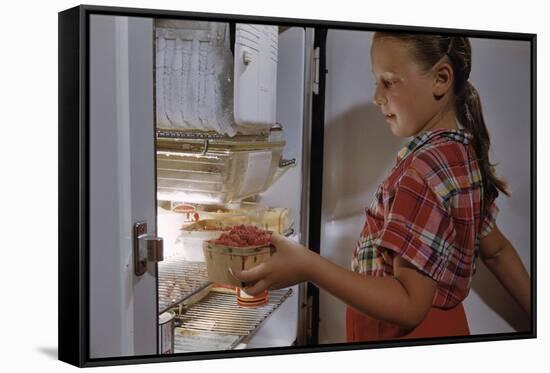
[501, 72]
[360, 150]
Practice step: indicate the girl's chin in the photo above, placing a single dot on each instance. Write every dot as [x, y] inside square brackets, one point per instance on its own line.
[401, 132]
[397, 131]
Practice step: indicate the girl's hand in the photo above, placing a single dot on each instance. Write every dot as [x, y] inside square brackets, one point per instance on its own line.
[286, 267]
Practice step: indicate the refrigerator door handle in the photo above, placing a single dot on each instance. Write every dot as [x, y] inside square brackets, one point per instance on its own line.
[147, 248]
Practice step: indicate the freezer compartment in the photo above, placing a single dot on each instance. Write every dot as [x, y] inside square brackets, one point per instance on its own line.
[204, 82]
[217, 170]
[194, 75]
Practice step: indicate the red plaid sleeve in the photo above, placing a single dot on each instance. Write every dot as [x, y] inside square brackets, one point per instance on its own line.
[418, 227]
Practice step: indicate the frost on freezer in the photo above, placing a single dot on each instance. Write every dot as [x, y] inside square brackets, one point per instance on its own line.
[194, 76]
[201, 85]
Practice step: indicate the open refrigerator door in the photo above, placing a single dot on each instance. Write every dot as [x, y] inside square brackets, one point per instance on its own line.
[219, 154]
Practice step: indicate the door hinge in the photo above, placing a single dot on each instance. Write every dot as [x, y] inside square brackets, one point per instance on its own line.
[316, 61]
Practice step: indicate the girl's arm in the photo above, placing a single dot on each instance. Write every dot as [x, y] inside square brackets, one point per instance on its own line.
[403, 299]
[501, 258]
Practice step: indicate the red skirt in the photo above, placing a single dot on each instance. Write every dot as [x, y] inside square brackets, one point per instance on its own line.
[438, 323]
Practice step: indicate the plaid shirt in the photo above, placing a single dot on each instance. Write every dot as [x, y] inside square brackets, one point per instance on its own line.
[428, 211]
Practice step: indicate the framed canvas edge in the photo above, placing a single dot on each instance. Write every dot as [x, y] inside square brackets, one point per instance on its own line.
[73, 190]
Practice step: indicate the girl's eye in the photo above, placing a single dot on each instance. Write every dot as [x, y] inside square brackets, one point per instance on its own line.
[386, 83]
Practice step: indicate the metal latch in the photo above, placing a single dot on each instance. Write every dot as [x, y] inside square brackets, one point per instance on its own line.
[147, 248]
[316, 61]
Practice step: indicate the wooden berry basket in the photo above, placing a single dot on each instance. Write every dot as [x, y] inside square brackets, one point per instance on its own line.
[219, 258]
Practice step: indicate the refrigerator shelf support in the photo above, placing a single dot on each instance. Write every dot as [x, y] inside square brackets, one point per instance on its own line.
[217, 322]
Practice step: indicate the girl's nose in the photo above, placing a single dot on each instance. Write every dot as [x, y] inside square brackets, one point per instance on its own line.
[378, 99]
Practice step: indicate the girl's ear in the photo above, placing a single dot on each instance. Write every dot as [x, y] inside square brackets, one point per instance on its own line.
[443, 80]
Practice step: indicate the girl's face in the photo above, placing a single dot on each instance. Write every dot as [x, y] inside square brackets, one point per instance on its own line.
[404, 93]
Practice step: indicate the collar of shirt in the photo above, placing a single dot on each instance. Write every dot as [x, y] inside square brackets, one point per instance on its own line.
[417, 141]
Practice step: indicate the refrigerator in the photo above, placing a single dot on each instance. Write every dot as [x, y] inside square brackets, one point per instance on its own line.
[148, 291]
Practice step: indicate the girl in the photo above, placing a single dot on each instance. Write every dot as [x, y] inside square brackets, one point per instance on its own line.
[433, 215]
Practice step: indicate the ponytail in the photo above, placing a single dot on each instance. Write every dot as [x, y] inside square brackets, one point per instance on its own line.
[470, 115]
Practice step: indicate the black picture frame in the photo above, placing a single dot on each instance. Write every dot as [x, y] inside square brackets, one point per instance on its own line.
[74, 188]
